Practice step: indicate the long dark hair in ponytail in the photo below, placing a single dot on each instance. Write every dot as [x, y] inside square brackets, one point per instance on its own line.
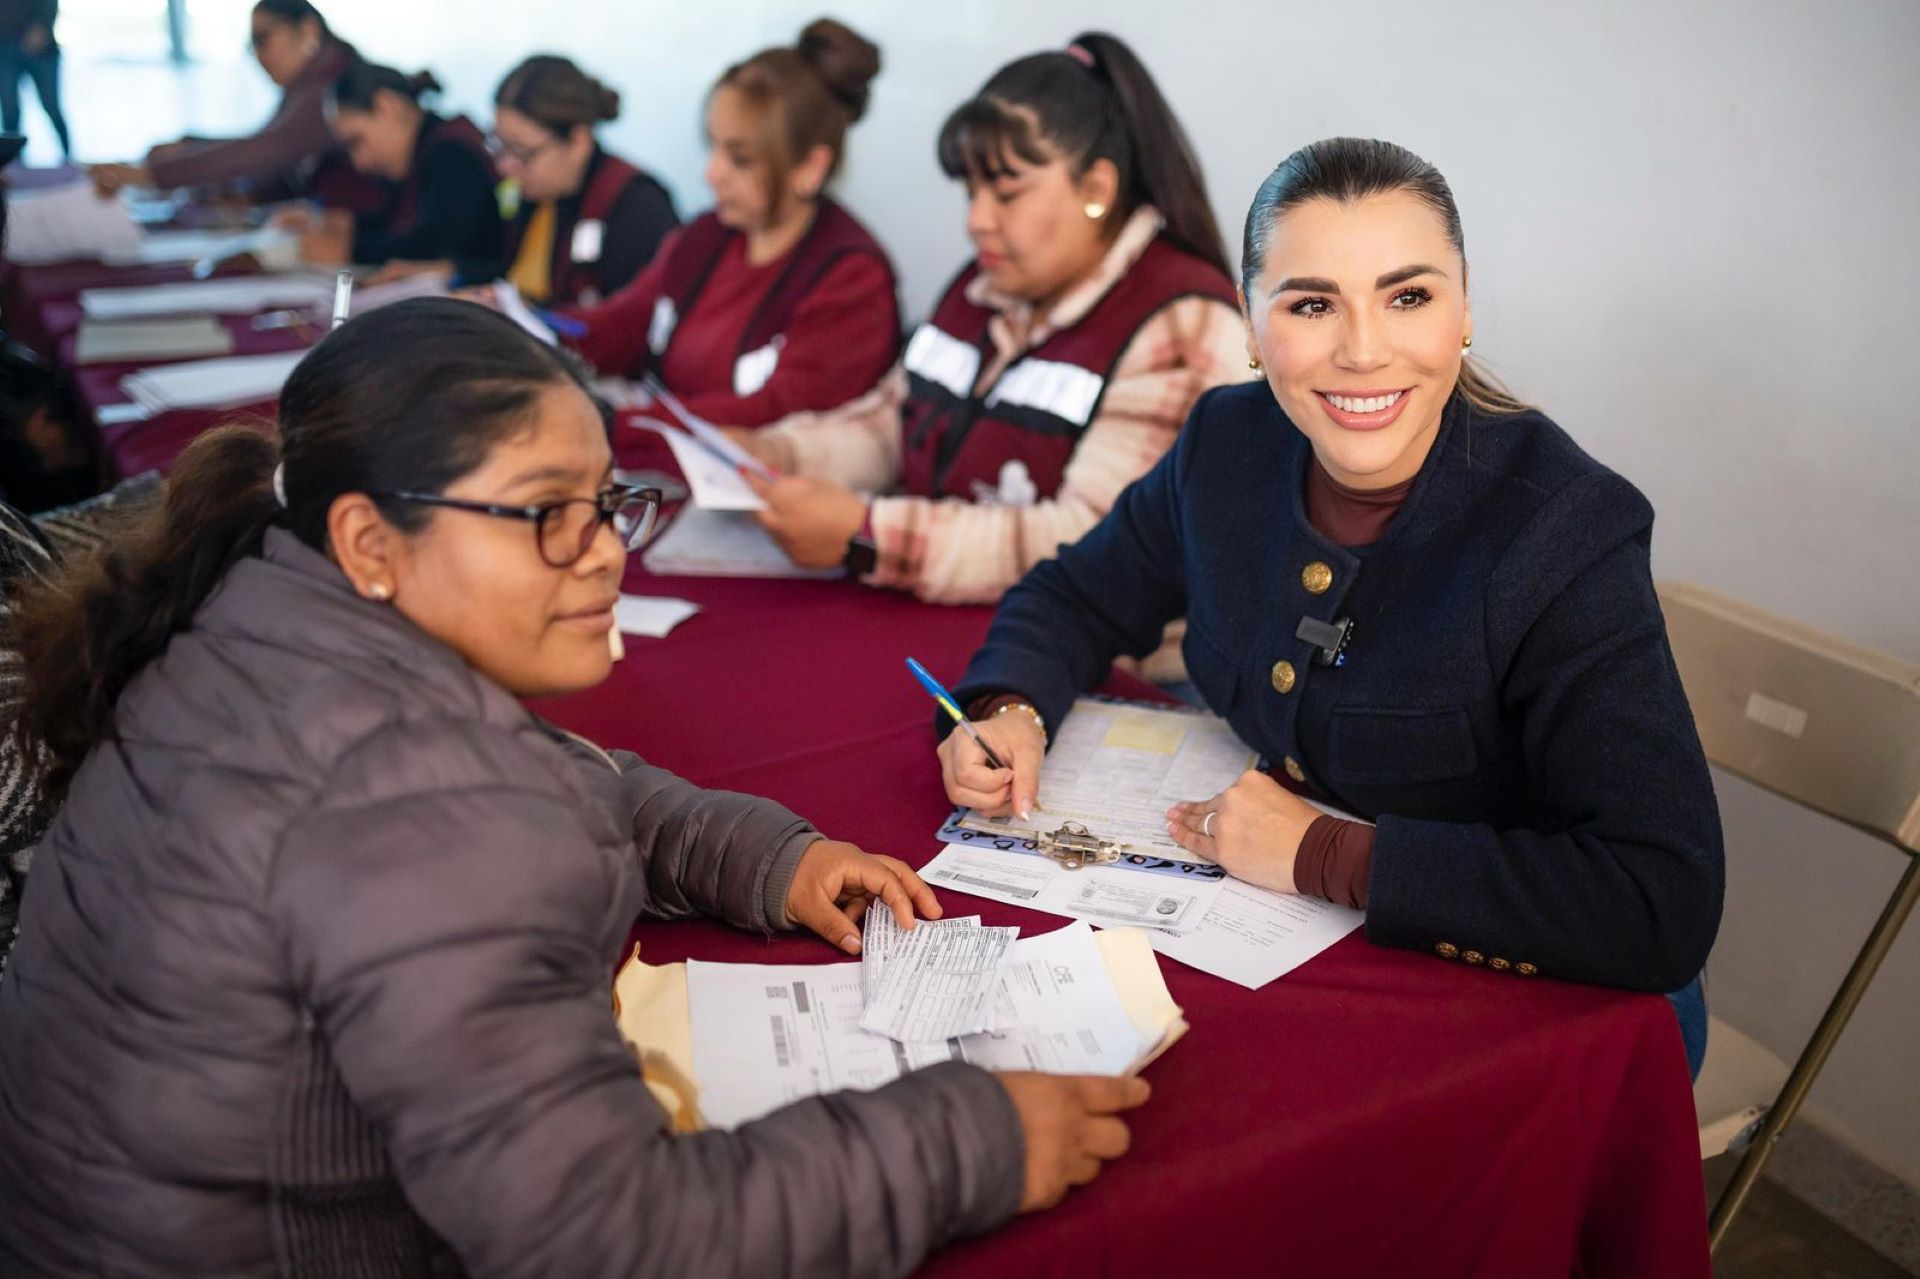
[1093, 100]
[408, 397]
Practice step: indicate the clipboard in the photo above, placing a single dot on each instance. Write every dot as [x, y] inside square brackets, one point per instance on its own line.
[1076, 839]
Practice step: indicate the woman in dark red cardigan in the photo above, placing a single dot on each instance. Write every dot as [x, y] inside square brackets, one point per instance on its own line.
[776, 300]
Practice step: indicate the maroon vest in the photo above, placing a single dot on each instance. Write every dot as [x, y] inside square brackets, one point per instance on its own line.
[436, 131]
[956, 434]
[835, 234]
[575, 266]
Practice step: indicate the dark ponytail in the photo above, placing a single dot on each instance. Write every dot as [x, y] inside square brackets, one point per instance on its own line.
[293, 13]
[356, 86]
[409, 397]
[1093, 100]
[84, 634]
[1348, 169]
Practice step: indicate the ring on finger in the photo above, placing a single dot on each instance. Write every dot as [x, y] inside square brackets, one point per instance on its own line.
[1206, 825]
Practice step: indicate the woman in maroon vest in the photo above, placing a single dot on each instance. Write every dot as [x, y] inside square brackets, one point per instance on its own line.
[776, 300]
[1058, 365]
[588, 221]
[443, 203]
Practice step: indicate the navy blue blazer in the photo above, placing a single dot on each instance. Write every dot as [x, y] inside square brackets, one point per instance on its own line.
[1506, 708]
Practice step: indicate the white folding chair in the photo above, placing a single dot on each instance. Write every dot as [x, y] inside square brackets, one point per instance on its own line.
[1826, 724]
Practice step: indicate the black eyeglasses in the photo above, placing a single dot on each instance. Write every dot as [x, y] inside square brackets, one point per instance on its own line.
[564, 530]
[501, 149]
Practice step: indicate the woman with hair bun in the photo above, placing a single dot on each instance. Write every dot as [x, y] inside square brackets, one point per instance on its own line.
[776, 300]
[443, 204]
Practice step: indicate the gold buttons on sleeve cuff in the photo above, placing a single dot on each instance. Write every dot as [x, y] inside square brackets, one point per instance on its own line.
[1283, 677]
[1293, 768]
[1498, 964]
[1473, 957]
[1446, 950]
[1525, 970]
[1316, 577]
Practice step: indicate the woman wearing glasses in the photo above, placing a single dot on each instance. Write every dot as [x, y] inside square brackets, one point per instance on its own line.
[316, 961]
[586, 221]
[293, 153]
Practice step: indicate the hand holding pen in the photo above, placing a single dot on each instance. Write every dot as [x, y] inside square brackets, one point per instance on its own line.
[992, 767]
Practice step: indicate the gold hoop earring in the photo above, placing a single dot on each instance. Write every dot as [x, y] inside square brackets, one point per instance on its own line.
[1466, 343]
[1095, 211]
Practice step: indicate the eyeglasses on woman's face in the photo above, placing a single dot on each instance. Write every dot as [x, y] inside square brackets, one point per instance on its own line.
[564, 530]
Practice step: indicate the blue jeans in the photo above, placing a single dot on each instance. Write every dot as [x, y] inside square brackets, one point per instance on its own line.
[44, 69]
[1690, 1006]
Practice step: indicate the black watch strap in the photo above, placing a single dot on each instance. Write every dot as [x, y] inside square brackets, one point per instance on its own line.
[861, 558]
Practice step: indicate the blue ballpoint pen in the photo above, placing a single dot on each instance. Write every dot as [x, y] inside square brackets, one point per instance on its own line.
[952, 708]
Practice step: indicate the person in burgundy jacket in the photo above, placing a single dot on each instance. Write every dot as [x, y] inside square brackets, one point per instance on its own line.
[294, 153]
[776, 300]
[1417, 597]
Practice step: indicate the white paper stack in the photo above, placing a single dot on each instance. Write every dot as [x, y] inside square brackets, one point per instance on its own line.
[158, 248]
[653, 616]
[211, 384]
[701, 543]
[179, 337]
[67, 224]
[242, 295]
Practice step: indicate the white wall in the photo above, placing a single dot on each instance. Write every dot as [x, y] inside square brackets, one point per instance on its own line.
[1690, 228]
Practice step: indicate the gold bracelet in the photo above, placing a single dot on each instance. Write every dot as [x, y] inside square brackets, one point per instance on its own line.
[1038, 723]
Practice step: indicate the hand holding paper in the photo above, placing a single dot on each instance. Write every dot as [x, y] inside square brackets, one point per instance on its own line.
[835, 883]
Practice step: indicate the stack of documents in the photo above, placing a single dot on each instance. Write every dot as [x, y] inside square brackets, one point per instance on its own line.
[272, 245]
[169, 338]
[242, 295]
[1115, 768]
[722, 1044]
[66, 224]
[702, 543]
[211, 384]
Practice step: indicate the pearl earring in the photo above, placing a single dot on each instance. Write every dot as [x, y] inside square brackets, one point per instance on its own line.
[1095, 210]
[380, 591]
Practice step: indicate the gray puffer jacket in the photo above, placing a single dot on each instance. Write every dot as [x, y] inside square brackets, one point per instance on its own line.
[314, 979]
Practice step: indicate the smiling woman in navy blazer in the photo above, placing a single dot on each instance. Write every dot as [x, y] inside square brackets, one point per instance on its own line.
[1416, 596]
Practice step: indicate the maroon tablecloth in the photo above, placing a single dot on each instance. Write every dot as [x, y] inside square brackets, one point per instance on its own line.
[1375, 1112]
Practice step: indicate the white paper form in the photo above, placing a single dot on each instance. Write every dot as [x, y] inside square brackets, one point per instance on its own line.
[1066, 1015]
[765, 1035]
[68, 223]
[1116, 768]
[653, 616]
[1247, 935]
[716, 483]
[242, 295]
[170, 338]
[1106, 895]
[880, 937]
[702, 543]
[1253, 935]
[935, 983]
[709, 436]
[515, 308]
[212, 384]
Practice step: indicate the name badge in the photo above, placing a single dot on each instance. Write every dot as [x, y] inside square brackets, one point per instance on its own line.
[660, 329]
[752, 370]
[589, 237]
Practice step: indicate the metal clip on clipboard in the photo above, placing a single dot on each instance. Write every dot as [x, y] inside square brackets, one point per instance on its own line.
[1074, 846]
